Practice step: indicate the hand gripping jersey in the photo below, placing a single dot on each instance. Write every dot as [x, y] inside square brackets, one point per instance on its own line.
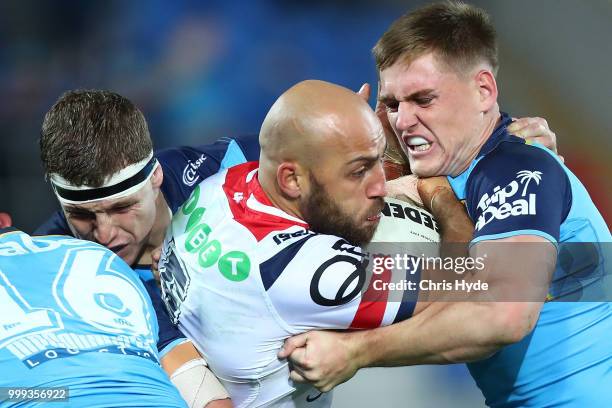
[240, 276]
[511, 189]
[75, 315]
[184, 167]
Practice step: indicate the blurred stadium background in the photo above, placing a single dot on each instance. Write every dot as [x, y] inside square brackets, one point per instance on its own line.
[200, 70]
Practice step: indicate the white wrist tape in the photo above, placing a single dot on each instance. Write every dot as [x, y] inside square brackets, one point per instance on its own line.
[197, 384]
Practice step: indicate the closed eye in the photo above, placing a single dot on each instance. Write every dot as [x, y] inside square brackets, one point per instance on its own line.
[424, 101]
[122, 209]
[80, 215]
[359, 173]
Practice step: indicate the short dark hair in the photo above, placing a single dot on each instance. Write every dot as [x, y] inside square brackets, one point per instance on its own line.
[91, 134]
[460, 34]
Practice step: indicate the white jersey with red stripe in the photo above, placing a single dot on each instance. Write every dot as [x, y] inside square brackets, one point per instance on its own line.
[239, 276]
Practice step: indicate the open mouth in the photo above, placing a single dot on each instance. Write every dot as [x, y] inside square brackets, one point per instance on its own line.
[417, 144]
[374, 218]
[117, 248]
[376, 215]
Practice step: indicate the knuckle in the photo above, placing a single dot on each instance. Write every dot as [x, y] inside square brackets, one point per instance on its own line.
[315, 376]
[306, 363]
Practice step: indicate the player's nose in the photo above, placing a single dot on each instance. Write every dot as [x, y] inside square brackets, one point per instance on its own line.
[406, 117]
[377, 186]
[104, 230]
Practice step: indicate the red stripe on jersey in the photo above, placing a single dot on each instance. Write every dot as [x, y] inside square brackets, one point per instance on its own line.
[373, 303]
[238, 190]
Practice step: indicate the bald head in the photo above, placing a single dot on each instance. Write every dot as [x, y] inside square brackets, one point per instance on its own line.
[321, 153]
[309, 117]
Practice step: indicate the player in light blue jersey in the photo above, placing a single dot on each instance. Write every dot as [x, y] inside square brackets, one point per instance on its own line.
[74, 315]
[543, 336]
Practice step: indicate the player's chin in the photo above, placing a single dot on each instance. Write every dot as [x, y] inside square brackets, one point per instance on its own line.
[369, 229]
[423, 169]
[128, 253]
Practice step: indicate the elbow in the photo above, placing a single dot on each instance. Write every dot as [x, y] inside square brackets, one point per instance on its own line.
[512, 322]
[495, 325]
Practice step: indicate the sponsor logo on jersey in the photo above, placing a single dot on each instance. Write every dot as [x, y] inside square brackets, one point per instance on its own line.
[350, 259]
[285, 236]
[190, 172]
[510, 201]
[235, 266]
[311, 398]
[36, 349]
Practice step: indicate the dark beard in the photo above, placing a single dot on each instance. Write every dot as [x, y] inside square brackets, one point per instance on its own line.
[324, 216]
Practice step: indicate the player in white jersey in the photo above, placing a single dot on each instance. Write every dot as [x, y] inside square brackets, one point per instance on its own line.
[267, 250]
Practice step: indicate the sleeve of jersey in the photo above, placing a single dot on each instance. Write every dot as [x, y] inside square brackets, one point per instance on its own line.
[55, 225]
[169, 334]
[186, 167]
[518, 190]
[322, 282]
[249, 144]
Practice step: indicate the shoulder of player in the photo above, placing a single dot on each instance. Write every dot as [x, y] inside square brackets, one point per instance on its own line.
[54, 225]
[4, 232]
[197, 155]
[332, 241]
[516, 153]
[249, 144]
[24, 243]
[304, 245]
[325, 246]
[182, 158]
[510, 159]
[307, 269]
[512, 163]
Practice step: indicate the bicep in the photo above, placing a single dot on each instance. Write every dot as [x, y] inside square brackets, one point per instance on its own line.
[178, 355]
[517, 268]
[518, 271]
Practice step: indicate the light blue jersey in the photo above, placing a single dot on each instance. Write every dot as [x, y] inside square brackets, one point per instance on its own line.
[75, 315]
[516, 189]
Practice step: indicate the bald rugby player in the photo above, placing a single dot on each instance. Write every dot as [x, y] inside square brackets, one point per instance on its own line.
[263, 251]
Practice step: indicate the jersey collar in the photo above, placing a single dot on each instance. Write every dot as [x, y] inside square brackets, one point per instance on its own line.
[500, 134]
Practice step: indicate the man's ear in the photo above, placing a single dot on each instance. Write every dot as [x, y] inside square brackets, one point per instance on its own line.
[289, 176]
[487, 89]
[158, 177]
